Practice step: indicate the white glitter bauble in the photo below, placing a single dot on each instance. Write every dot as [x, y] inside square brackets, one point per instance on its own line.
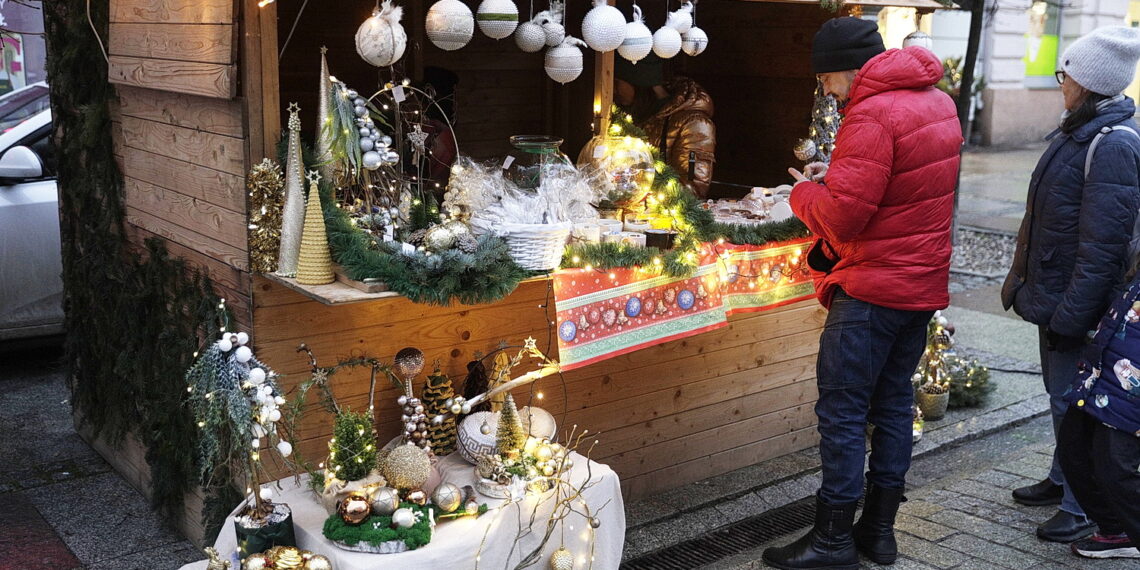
[682, 19]
[555, 33]
[638, 40]
[256, 376]
[450, 24]
[564, 62]
[604, 27]
[381, 40]
[530, 37]
[497, 18]
[666, 42]
[694, 41]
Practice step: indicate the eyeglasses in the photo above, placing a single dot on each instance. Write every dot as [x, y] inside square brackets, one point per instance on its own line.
[1060, 75]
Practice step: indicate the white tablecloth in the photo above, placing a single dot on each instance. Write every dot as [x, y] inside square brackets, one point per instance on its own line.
[455, 543]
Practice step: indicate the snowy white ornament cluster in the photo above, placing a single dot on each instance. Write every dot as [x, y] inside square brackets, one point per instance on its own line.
[260, 389]
[381, 39]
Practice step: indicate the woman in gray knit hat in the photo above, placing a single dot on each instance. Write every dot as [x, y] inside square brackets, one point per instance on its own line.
[1076, 243]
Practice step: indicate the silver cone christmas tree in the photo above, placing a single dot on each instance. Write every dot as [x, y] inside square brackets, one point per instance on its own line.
[293, 215]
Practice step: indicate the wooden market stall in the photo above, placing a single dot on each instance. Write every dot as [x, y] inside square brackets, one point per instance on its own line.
[201, 87]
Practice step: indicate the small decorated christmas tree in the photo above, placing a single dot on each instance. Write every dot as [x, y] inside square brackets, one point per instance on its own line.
[825, 121]
[352, 450]
[511, 437]
[437, 391]
[969, 381]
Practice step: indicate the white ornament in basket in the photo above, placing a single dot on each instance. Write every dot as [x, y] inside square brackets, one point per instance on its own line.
[497, 18]
[537, 247]
[604, 27]
[450, 24]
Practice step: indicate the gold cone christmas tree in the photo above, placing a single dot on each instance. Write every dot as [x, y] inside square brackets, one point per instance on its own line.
[437, 391]
[314, 264]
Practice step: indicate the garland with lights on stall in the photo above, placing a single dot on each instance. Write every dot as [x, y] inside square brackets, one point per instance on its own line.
[694, 224]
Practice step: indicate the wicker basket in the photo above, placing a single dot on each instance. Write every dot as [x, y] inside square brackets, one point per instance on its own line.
[537, 247]
[933, 406]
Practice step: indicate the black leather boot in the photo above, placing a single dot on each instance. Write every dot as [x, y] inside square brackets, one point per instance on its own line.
[875, 531]
[828, 545]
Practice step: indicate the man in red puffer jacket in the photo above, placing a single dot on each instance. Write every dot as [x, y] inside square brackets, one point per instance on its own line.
[882, 214]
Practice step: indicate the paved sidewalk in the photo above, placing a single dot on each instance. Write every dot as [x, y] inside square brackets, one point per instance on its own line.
[960, 514]
[994, 186]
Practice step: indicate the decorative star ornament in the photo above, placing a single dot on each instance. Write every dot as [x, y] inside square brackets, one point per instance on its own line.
[530, 343]
[418, 138]
[294, 118]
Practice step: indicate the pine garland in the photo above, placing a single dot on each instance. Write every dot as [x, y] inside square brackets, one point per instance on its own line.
[483, 276]
[132, 320]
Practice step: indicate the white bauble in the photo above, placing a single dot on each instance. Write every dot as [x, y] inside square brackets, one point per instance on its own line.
[638, 38]
[225, 345]
[243, 338]
[371, 160]
[564, 62]
[530, 37]
[682, 19]
[243, 354]
[404, 517]
[256, 376]
[266, 493]
[381, 40]
[666, 42]
[450, 24]
[285, 448]
[555, 33]
[497, 18]
[694, 41]
[604, 27]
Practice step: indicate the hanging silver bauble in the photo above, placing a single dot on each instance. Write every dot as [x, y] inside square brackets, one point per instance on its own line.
[372, 160]
[366, 144]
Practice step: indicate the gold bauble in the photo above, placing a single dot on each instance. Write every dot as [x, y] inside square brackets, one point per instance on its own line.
[439, 238]
[255, 562]
[318, 562]
[288, 558]
[354, 508]
[417, 497]
[447, 497]
[406, 467]
[562, 559]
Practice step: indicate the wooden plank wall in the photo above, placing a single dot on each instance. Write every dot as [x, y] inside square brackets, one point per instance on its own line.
[181, 46]
[182, 149]
[666, 415]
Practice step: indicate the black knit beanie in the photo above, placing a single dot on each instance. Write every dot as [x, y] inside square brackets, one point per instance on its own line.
[845, 43]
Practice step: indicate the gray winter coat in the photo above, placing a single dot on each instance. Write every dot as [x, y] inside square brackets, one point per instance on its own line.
[1074, 241]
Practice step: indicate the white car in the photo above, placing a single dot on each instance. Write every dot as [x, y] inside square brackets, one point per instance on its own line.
[31, 284]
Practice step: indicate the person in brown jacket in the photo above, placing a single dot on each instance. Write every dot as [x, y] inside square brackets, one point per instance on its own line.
[676, 114]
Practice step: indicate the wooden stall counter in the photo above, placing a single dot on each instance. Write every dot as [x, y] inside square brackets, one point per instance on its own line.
[665, 415]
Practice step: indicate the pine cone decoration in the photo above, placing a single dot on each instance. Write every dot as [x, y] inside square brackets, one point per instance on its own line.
[467, 243]
[436, 392]
[417, 237]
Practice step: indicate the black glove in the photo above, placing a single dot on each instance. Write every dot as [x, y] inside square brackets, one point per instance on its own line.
[1060, 343]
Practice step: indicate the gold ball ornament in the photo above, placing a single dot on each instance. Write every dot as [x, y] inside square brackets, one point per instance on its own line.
[439, 238]
[385, 501]
[255, 562]
[562, 559]
[288, 558]
[447, 497]
[417, 497]
[406, 467]
[318, 562]
[354, 508]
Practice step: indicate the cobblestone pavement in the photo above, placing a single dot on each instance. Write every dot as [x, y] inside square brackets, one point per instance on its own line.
[960, 515]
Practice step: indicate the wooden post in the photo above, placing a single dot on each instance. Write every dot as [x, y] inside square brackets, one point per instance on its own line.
[260, 88]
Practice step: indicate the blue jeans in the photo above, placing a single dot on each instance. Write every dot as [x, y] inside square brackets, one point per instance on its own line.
[1058, 369]
[867, 356]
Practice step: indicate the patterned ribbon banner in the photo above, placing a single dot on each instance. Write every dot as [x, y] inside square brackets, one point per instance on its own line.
[603, 314]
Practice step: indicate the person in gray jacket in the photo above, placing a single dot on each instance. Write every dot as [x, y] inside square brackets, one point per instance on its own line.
[1076, 239]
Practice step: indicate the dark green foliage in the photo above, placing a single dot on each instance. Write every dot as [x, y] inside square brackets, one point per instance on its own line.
[969, 381]
[376, 530]
[352, 452]
[131, 321]
[486, 275]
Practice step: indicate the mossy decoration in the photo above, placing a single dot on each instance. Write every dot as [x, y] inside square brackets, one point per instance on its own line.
[377, 530]
[132, 313]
